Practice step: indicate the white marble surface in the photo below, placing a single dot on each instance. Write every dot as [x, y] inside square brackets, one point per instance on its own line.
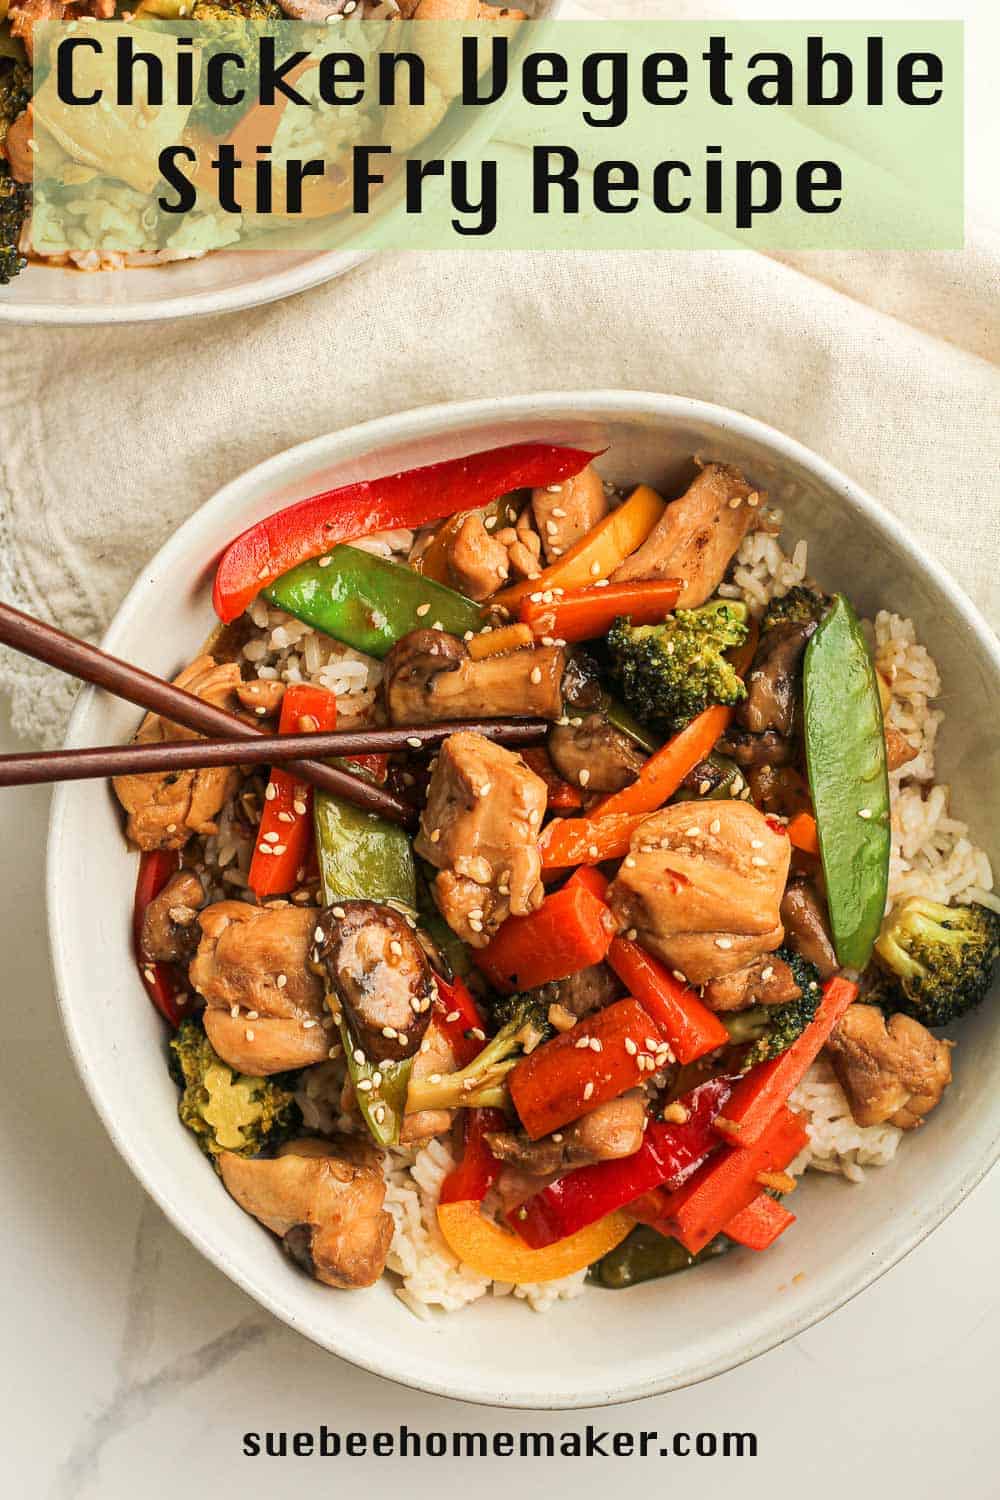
[135, 1367]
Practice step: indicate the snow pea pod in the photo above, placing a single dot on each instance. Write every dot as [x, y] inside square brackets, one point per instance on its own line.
[363, 857]
[648, 1255]
[368, 602]
[845, 755]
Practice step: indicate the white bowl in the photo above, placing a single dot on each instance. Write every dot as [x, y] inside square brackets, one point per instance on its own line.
[606, 1346]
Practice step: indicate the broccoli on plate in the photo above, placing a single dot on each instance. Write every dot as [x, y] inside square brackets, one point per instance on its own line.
[937, 961]
[523, 1024]
[669, 673]
[771, 1029]
[226, 1110]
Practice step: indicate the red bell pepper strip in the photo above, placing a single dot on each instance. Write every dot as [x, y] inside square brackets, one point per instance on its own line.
[585, 614]
[759, 1224]
[456, 1014]
[563, 796]
[667, 1153]
[160, 980]
[688, 1025]
[569, 931]
[414, 497]
[601, 1057]
[284, 836]
[762, 1093]
[478, 1169]
[702, 1207]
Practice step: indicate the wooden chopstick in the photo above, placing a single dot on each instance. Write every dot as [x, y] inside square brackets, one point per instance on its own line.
[78, 658]
[268, 749]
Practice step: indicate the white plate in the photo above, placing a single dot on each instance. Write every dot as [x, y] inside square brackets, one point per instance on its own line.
[605, 1346]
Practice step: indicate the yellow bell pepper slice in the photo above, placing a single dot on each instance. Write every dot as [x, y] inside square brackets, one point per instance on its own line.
[599, 553]
[495, 1252]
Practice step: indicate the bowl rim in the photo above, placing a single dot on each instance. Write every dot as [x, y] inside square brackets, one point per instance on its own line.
[429, 422]
[240, 296]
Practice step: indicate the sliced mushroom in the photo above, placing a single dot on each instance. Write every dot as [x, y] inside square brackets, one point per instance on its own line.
[610, 1132]
[749, 750]
[325, 1201]
[427, 680]
[594, 755]
[170, 931]
[806, 926]
[378, 971]
[773, 679]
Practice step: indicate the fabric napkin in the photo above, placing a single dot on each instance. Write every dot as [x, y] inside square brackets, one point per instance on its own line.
[887, 365]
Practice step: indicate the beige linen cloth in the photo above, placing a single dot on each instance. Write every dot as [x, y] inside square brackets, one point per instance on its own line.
[887, 365]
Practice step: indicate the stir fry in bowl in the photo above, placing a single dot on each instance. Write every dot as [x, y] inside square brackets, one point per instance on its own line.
[605, 1000]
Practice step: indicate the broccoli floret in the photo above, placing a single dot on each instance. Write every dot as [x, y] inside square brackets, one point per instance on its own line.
[15, 197]
[226, 1110]
[237, 21]
[669, 673]
[771, 1029]
[798, 607]
[523, 1024]
[940, 958]
[15, 90]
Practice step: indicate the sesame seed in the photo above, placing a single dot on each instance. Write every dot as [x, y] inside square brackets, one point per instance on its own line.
[595, 1044]
[260, 710]
[308, 1025]
[693, 832]
[584, 777]
[704, 787]
[334, 1051]
[576, 722]
[588, 1091]
[358, 1055]
[435, 835]
[595, 570]
[415, 1004]
[714, 826]
[376, 1079]
[253, 1015]
[379, 1113]
[325, 562]
[365, 1085]
[535, 598]
[249, 1036]
[630, 863]
[339, 913]
[414, 741]
[453, 1015]
[864, 812]
[284, 817]
[652, 1044]
[390, 1032]
[767, 973]
[602, 583]
[271, 792]
[554, 489]
[723, 942]
[271, 838]
[477, 1033]
[681, 978]
[278, 848]
[753, 501]
[557, 510]
[437, 625]
[171, 827]
[582, 1043]
[263, 848]
[593, 851]
[630, 1047]
[632, 934]
[300, 808]
[756, 843]
[556, 551]
[490, 522]
[486, 788]
[536, 675]
[234, 1011]
[423, 609]
[558, 1137]
[735, 502]
[551, 529]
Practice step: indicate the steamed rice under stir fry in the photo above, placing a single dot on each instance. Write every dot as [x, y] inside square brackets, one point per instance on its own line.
[480, 1111]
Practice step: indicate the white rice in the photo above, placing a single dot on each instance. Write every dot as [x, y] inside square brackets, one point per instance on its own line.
[836, 1143]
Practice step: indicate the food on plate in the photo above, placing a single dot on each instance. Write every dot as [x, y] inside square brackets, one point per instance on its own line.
[593, 1013]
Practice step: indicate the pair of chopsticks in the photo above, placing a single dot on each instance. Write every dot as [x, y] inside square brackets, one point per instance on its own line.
[226, 732]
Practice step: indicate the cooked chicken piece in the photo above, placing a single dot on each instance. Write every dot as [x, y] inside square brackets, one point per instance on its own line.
[165, 808]
[17, 146]
[773, 679]
[594, 755]
[324, 1199]
[608, 1133]
[430, 676]
[480, 830]
[898, 750]
[262, 697]
[806, 926]
[170, 931]
[752, 750]
[477, 563]
[767, 981]
[584, 992]
[895, 1072]
[701, 886]
[566, 512]
[523, 546]
[379, 972]
[697, 535]
[435, 1056]
[256, 958]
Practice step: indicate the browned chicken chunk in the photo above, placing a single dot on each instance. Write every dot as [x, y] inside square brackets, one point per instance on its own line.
[477, 563]
[566, 512]
[806, 926]
[262, 698]
[896, 1071]
[594, 755]
[165, 808]
[767, 981]
[523, 545]
[608, 1133]
[170, 931]
[429, 676]
[480, 830]
[701, 886]
[255, 959]
[324, 1199]
[898, 750]
[697, 535]
[378, 971]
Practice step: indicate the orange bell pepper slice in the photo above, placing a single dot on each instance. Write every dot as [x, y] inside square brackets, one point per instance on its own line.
[495, 1252]
[596, 555]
